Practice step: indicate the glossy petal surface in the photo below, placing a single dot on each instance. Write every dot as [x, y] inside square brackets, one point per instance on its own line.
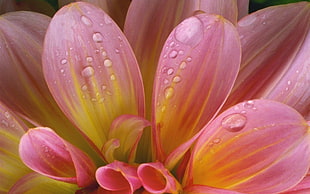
[201, 189]
[257, 146]
[193, 78]
[148, 30]
[91, 70]
[45, 152]
[156, 178]
[275, 56]
[11, 167]
[35, 183]
[118, 177]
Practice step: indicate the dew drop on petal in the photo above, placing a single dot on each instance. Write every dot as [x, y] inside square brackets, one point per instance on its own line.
[216, 141]
[190, 31]
[183, 65]
[97, 37]
[234, 122]
[84, 87]
[107, 63]
[86, 20]
[63, 61]
[189, 59]
[176, 79]
[88, 72]
[89, 59]
[173, 54]
[249, 104]
[169, 92]
[112, 77]
[170, 71]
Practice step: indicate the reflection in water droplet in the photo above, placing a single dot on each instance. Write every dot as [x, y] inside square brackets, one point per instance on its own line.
[97, 37]
[169, 92]
[107, 63]
[173, 54]
[234, 122]
[86, 20]
[88, 72]
[170, 71]
[176, 79]
[63, 61]
[183, 65]
[249, 104]
[190, 31]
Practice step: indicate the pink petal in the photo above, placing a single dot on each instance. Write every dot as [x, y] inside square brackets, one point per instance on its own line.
[11, 167]
[243, 8]
[118, 177]
[117, 9]
[22, 85]
[199, 189]
[91, 70]
[125, 132]
[156, 178]
[257, 146]
[275, 63]
[193, 78]
[148, 24]
[45, 152]
[36, 183]
[302, 188]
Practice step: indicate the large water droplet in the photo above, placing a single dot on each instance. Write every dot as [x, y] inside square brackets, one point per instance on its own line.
[107, 63]
[190, 31]
[234, 122]
[97, 37]
[86, 20]
[88, 72]
[173, 54]
[169, 92]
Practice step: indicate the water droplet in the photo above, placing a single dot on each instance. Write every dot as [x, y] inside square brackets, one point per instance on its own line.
[107, 63]
[88, 72]
[89, 59]
[169, 92]
[63, 61]
[183, 65]
[170, 71]
[62, 71]
[84, 87]
[217, 141]
[104, 54]
[172, 44]
[189, 59]
[289, 82]
[103, 87]
[234, 122]
[107, 19]
[166, 81]
[190, 31]
[181, 52]
[117, 51]
[97, 37]
[173, 54]
[176, 79]
[86, 20]
[249, 104]
[7, 115]
[112, 77]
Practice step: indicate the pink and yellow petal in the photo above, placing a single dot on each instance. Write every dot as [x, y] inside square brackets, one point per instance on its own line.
[118, 177]
[22, 86]
[302, 188]
[43, 151]
[257, 146]
[125, 133]
[35, 183]
[193, 78]
[11, 130]
[155, 178]
[91, 70]
[202, 189]
[275, 58]
[148, 30]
